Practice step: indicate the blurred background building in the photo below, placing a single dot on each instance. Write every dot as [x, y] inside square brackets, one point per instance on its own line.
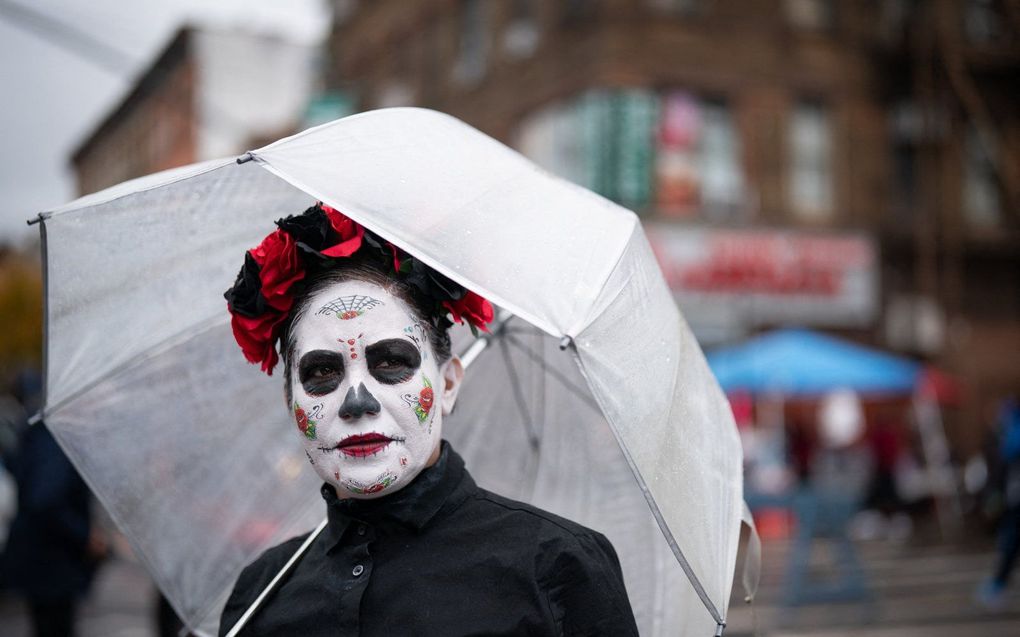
[208, 94]
[850, 167]
[846, 166]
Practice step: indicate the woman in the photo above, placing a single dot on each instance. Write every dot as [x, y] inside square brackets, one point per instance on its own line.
[412, 545]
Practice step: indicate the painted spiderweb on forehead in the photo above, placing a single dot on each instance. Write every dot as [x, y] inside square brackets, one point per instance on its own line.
[348, 307]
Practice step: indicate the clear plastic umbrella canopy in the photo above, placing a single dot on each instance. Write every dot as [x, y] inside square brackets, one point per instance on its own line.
[594, 401]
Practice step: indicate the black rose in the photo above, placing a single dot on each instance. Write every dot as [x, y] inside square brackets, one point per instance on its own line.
[432, 283]
[310, 230]
[245, 298]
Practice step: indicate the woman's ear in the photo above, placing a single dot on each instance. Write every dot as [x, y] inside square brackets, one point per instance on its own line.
[453, 374]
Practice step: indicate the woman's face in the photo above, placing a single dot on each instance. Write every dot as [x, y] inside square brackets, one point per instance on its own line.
[369, 395]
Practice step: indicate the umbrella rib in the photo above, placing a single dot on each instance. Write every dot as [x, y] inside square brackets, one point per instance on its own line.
[567, 383]
[657, 514]
[200, 169]
[519, 398]
[660, 520]
[159, 348]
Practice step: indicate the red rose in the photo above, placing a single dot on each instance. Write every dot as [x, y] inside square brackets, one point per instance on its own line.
[257, 337]
[472, 307]
[279, 269]
[425, 398]
[302, 419]
[349, 230]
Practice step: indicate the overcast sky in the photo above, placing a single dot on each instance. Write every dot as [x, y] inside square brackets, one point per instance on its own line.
[53, 93]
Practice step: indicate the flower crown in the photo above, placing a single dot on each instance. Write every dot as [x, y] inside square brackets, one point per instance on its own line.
[315, 241]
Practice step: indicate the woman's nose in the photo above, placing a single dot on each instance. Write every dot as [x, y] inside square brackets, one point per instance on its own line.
[358, 403]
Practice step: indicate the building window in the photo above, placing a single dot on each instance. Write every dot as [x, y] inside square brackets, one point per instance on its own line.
[677, 7]
[906, 131]
[809, 14]
[810, 143]
[982, 206]
[575, 11]
[474, 42]
[982, 21]
[698, 165]
[520, 39]
[672, 154]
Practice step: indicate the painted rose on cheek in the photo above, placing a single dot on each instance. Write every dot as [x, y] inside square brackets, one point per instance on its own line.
[425, 398]
[306, 426]
[421, 403]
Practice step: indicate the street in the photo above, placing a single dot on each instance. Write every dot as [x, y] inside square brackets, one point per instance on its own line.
[921, 589]
[916, 589]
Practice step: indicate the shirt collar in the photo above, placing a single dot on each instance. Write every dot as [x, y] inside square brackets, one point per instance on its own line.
[414, 506]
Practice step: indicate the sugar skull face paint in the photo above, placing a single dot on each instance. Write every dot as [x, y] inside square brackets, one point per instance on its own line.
[368, 395]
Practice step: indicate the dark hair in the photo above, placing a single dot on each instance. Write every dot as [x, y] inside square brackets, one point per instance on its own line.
[369, 271]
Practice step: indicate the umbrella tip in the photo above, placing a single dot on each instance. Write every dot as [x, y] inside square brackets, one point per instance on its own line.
[566, 342]
[245, 158]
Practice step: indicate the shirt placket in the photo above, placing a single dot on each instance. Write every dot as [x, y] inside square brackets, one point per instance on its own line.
[353, 572]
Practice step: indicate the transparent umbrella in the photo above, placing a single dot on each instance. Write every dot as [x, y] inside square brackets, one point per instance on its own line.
[594, 401]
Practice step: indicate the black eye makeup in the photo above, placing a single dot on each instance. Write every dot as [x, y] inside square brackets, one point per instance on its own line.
[392, 361]
[321, 371]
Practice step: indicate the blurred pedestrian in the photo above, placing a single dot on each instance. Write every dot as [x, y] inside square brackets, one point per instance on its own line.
[53, 549]
[992, 592]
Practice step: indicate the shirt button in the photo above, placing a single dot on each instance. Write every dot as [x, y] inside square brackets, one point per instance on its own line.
[361, 529]
[358, 570]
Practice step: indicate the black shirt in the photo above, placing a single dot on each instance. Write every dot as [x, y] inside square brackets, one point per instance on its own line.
[439, 557]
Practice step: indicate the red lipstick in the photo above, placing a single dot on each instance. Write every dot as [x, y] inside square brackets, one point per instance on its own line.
[361, 445]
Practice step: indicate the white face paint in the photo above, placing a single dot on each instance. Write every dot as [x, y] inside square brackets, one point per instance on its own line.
[369, 396]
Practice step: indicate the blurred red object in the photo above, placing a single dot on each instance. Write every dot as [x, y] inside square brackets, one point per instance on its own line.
[773, 523]
[743, 408]
[945, 389]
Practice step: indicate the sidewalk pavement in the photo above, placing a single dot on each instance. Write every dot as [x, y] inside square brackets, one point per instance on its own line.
[915, 589]
[121, 604]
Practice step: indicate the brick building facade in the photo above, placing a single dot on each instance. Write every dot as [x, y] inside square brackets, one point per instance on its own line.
[887, 128]
[209, 93]
[152, 129]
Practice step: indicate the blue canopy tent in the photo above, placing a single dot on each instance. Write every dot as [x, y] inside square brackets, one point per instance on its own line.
[800, 362]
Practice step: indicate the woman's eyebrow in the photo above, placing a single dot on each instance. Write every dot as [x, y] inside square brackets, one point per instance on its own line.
[319, 355]
[391, 344]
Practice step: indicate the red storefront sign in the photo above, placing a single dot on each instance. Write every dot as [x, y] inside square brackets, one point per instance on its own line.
[770, 275]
